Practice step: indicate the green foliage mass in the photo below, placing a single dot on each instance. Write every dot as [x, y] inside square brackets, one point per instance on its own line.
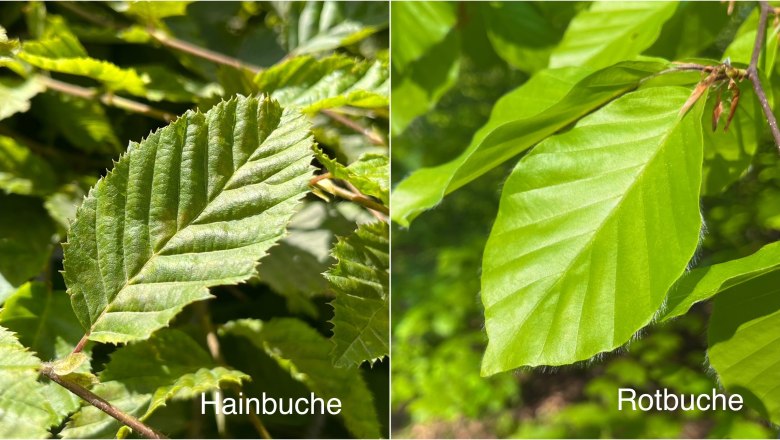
[154, 155]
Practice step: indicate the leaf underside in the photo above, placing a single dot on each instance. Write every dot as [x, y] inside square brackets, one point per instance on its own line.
[194, 205]
[594, 226]
[361, 282]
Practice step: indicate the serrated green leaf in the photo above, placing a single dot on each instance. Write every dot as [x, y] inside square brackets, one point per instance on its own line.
[548, 102]
[311, 27]
[23, 406]
[194, 205]
[369, 174]
[305, 354]
[64, 53]
[43, 320]
[82, 122]
[703, 283]
[361, 308]
[15, 95]
[25, 241]
[174, 366]
[8, 51]
[744, 342]
[22, 172]
[609, 32]
[330, 82]
[594, 226]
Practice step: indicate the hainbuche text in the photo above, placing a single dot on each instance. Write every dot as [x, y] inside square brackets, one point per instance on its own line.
[268, 405]
[667, 401]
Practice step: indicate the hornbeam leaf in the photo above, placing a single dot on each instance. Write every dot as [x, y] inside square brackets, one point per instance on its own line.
[594, 226]
[24, 410]
[303, 352]
[703, 283]
[610, 32]
[15, 96]
[369, 173]
[361, 282]
[548, 102]
[174, 366]
[22, 172]
[194, 205]
[744, 342]
[334, 81]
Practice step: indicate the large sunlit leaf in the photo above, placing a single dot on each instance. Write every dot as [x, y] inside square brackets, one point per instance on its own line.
[25, 241]
[173, 366]
[22, 172]
[305, 354]
[593, 227]
[194, 205]
[703, 283]
[610, 32]
[334, 81]
[744, 342]
[548, 102]
[23, 404]
[361, 308]
[15, 96]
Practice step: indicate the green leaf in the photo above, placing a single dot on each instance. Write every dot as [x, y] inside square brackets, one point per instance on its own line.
[23, 405]
[194, 205]
[63, 53]
[43, 319]
[610, 32]
[305, 354]
[693, 28]
[25, 241]
[174, 366]
[369, 173]
[151, 12]
[431, 22]
[166, 85]
[744, 342]
[15, 96]
[548, 102]
[361, 308]
[330, 82]
[22, 172]
[82, 122]
[593, 227]
[311, 27]
[703, 283]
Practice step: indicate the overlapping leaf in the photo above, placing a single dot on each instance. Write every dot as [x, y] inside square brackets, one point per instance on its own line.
[369, 174]
[82, 122]
[305, 354]
[361, 308]
[15, 96]
[610, 32]
[594, 226]
[174, 366]
[431, 21]
[23, 405]
[545, 104]
[22, 172]
[334, 81]
[703, 283]
[744, 342]
[194, 205]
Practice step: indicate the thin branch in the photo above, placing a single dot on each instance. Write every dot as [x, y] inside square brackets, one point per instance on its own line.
[752, 71]
[106, 98]
[372, 136]
[99, 403]
[328, 186]
[201, 52]
[81, 344]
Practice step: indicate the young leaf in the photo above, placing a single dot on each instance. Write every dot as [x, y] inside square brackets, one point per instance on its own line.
[548, 102]
[22, 172]
[174, 366]
[744, 337]
[23, 405]
[703, 283]
[361, 308]
[593, 227]
[304, 353]
[369, 173]
[15, 96]
[610, 32]
[334, 81]
[194, 205]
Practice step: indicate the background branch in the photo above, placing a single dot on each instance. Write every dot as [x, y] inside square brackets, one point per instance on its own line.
[752, 71]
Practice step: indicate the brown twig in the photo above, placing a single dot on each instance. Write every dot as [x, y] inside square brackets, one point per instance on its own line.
[752, 71]
[373, 137]
[99, 403]
[81, 344]
[201, 52]
[106, 98]
[328, 186]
